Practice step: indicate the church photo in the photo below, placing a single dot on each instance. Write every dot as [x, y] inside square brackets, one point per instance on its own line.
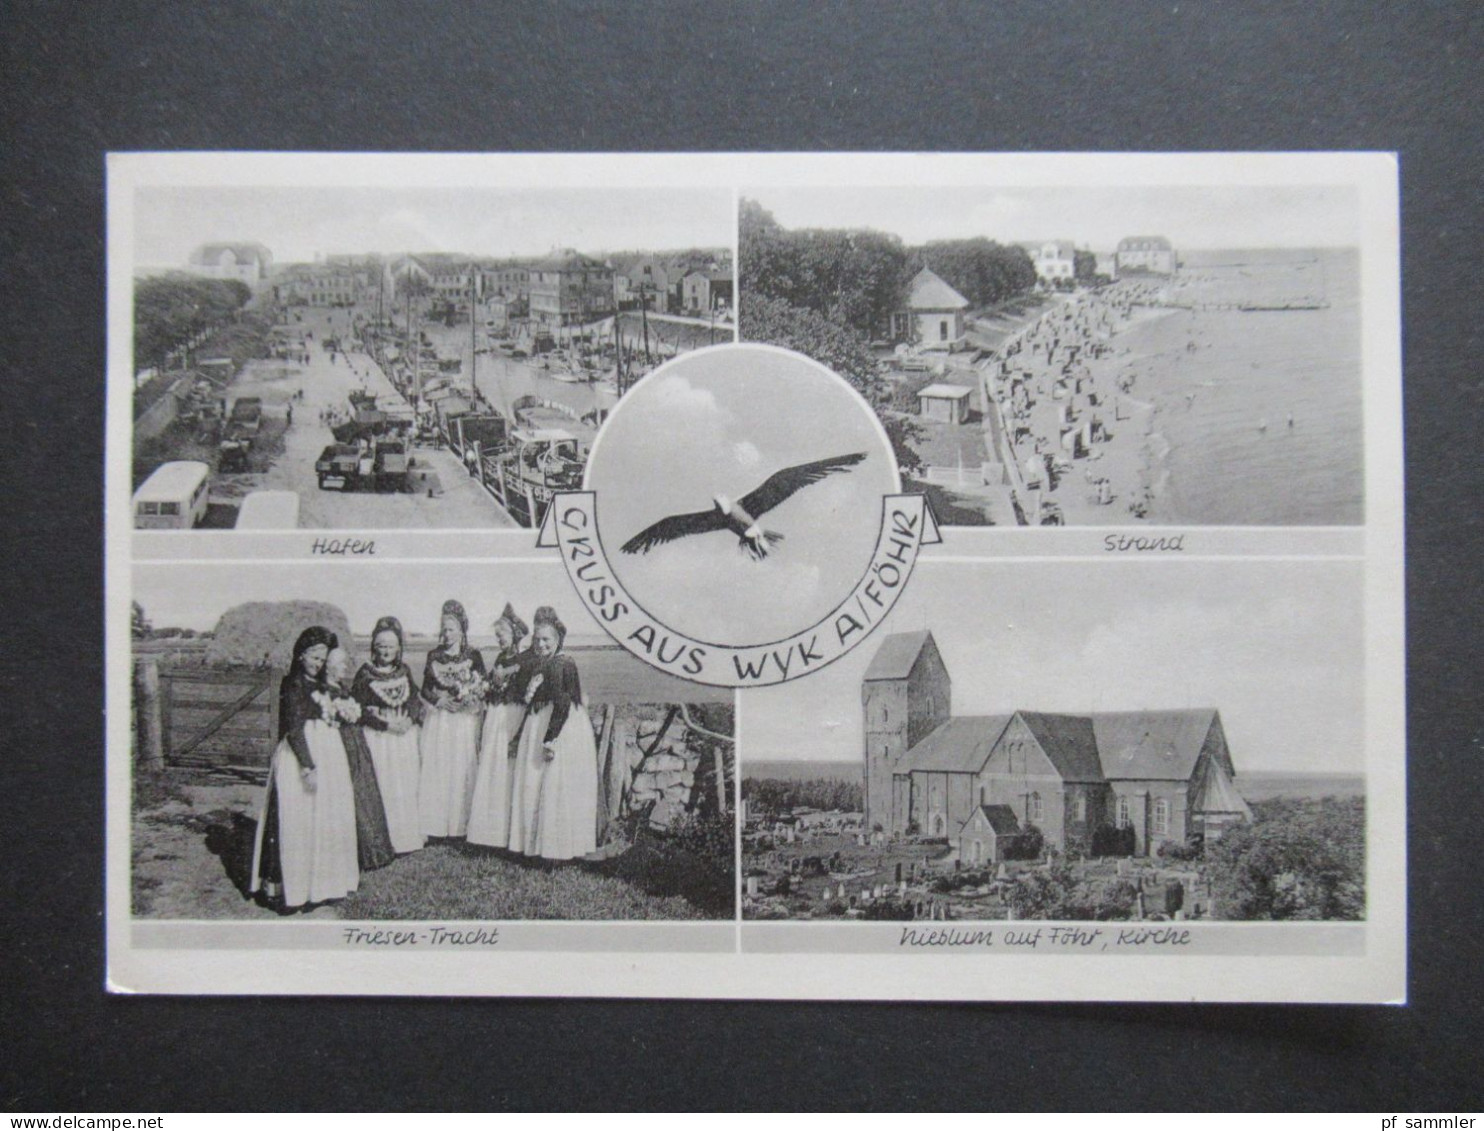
[1119, 741]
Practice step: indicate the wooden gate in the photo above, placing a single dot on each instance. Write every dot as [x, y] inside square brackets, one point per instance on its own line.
[220, 722]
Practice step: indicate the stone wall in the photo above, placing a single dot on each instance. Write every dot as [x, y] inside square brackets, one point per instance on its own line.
[657, 766]
[159, 416]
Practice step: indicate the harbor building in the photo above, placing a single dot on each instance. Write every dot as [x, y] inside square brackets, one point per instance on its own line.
[319, 284]
[251, 263]
[1165, 774]
[569, 288]
[706, 291]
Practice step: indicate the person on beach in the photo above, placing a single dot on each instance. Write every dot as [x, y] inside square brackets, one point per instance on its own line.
[373, 841]
[304, 851]
[490, 808]
[454, 687]
[558, 736]
[391, 708]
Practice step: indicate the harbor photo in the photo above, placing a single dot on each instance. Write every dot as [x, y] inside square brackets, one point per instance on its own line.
[384, 358]
[1150, 355]
[1180, 743]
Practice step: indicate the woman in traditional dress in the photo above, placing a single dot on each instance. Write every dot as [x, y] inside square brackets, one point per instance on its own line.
[525, 770]
[373, 840]
[558, 735]
[489, 811]
[390, 711]
[454, 688]
[305, 850]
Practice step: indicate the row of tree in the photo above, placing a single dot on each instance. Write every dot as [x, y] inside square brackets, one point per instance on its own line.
[774, 794]
[828, 293]
[172, 311]
[858, 278]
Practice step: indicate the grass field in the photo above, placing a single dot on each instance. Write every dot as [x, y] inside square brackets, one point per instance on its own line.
[452, 881]
[191, 849]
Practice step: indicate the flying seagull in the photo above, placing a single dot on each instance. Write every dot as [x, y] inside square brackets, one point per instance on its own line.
[741, 517]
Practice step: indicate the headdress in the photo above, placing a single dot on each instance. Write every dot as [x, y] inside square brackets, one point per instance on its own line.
[311, 636]
[394, 626]
[456, 610]
[547, 615]
[518, 627]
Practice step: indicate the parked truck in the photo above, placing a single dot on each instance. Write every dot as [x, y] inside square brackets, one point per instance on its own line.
[380, 465]
[238, 433]
[247, 415]
[339, 466]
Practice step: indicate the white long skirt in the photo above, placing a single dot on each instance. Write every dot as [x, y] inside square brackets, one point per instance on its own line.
[565, 824]
[450, 752]
[489, 809]
[316, 828]
[526, 770]
[398, 763]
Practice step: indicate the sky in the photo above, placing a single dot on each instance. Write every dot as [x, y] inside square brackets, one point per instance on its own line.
[297, 224]
[196, 595]
[722, 421]
[1219, 216]
[1277, 647]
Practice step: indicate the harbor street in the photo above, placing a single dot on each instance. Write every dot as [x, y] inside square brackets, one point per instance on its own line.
[326, 382]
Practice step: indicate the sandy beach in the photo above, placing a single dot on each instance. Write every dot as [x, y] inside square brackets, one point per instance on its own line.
[1165, 401]
[1068, 419]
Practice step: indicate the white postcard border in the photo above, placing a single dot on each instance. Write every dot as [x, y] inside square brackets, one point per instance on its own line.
[1376, 975]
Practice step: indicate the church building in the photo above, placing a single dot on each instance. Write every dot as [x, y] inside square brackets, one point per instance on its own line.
[1166, 774]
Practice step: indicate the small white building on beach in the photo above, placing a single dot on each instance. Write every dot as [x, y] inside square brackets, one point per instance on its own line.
[934, 314]
[948, 403]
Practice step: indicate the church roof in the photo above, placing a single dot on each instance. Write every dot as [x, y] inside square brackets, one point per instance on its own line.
[1102, 746]
[1152, 744]
[897, 654]
[928, 291]
[1218, 793]
[1000, 818]
[958, 746]
[1070, 743]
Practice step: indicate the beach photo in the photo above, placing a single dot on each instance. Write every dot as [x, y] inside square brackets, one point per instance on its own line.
[1134, 355]
[414, 742]
[1075, 741]
[362, 357]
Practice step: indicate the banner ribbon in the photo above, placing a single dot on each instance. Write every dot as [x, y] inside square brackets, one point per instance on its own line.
[571, 525]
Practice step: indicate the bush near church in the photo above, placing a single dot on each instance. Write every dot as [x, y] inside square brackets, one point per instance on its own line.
[1296, 859]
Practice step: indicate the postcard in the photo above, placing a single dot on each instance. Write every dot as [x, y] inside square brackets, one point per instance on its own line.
[872, 576]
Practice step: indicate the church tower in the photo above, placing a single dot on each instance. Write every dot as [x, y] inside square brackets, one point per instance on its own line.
[906, 694]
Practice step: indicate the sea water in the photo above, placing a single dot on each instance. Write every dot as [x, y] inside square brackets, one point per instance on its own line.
[1223, 448]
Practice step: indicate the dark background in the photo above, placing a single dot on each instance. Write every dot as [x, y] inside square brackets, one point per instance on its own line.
[82, 79]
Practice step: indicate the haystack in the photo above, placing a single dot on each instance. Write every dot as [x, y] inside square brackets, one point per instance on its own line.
[262, 633]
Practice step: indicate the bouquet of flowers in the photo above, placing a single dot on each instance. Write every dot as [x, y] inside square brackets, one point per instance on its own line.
[338, 710]
[468, 691]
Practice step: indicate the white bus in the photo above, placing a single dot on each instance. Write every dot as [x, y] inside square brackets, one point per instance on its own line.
[174, 497]
[269, 510]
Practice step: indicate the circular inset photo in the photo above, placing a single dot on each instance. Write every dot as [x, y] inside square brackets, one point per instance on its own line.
[739, 492]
